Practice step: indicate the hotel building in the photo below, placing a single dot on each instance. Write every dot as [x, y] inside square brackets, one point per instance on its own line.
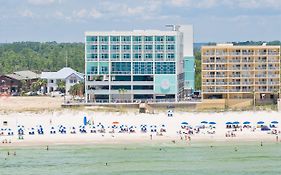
[240, 72]
[140, 65]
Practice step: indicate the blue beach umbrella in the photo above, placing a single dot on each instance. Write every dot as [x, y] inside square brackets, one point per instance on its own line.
[204, 122]
[236, 123]
[228, 123]
[246, 123]
[260, 123]
[274, 122]
[184, 123]
[85, 120]
[212, 123]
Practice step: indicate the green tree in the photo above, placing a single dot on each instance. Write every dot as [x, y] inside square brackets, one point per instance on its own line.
[61, 86]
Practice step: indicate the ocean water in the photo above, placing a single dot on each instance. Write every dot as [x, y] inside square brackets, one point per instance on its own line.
[144, 159]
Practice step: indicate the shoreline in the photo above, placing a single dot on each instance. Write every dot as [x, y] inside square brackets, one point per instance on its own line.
[174, 130]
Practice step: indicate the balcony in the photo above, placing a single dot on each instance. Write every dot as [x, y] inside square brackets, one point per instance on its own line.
[273, 75]
[235, 68]
[235, 53]
[221, 83]
[234, 83]
[221, 61]
[234, 61]
[261, 76]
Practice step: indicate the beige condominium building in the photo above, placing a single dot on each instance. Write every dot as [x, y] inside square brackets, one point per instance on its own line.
[240, 72]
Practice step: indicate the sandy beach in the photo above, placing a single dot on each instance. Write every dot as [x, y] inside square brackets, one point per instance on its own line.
[175, 131]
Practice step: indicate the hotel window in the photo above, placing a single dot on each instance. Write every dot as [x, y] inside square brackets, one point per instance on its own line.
[94, 70]
[114, 38]
[115, 48]
[159, 47]
[126, 38]
[170, 56]
[104, 70]
[170, 47]
[115, 56]
[148, 56]
[137, 56]
[142, 68]
[165, 68]
[137, 38]
[103, 57]
[103, 38]
[148, 38]
[104, 47]
[126, 56]
[92, 47]
[170, 38]
[137, 47]
[121, 68]
[148, 47]
[159, 56]
[92, 55]
[159, 38]
[126, 47]
[91, 38]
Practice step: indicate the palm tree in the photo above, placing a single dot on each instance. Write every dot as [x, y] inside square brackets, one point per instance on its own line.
[39, 84]
[77, 90]
[61, 86]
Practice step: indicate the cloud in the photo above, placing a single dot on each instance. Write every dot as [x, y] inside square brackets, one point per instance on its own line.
[245, 4]
[27, 13]
[95, 13]
[85, 13]
[42, 2]
[80, 13]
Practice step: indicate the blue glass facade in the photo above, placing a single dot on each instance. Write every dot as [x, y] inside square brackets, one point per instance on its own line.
[143, 65]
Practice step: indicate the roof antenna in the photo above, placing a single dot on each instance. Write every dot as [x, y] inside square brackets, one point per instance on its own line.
[173, 27]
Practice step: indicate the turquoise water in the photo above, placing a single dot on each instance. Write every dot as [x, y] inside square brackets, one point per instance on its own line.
[150, 159]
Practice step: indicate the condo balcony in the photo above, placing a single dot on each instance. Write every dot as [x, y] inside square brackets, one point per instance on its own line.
[274, 83]
[235, 53]
[221, 83]
[234, 83]
[221, 61]
[261, 75]
[272, 60]
[234, 60]
[260, 83]
[247, 61]
[273, 75]
[246, 75]
[247, 90]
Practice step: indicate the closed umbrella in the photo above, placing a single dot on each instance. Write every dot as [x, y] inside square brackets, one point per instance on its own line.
[85, 120]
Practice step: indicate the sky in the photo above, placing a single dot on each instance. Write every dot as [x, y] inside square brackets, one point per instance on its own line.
[67, 20]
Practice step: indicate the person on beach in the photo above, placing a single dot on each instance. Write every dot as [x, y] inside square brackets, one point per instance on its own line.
[150, 136]
[277, 139]
[261, 144]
